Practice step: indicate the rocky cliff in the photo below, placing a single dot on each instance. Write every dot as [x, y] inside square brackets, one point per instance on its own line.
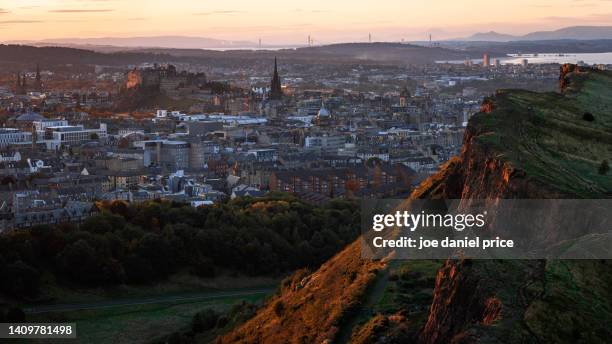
[528, 145]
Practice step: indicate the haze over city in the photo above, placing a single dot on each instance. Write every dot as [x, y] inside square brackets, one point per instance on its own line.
[290, 23]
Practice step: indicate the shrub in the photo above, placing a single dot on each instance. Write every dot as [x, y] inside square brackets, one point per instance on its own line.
[604, 168]
[20, 279]
[279, 308]
[222, 322]
[15, 315]
[587, 116]
[204, 321]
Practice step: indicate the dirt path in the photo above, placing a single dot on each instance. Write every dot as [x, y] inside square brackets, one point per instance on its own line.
[375, 294]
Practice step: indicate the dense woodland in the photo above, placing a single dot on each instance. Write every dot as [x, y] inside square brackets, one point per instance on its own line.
[147, 242]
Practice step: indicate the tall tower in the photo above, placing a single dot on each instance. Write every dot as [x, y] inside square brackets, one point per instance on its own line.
[20, 85]
[276, 93]
[38, 82]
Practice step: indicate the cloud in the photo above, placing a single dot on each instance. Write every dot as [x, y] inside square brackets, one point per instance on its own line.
[212, 13]
[80, 11]
[3, 11]
[299, 10]
[585, 19]
[2, 22]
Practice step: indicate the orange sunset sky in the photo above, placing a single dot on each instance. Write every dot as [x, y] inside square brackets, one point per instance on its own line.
[278, 22]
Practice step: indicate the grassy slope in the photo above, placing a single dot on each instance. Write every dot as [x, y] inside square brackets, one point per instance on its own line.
[545, 135]
[312, 308]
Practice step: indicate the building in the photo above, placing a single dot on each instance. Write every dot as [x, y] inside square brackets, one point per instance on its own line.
[276, 92]
[166, 78]
[486, 61]
[169, 155]
[41, 125]
[263, 155]
[72, 135]
[359, 181]
[325, 144]
[200, 152]
[12, 136]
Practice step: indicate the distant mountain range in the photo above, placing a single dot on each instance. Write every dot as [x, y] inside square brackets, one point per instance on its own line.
[173, 42]
[568, 33]
[112, 44]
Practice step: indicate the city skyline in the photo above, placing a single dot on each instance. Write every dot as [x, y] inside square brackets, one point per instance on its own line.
[285, 23]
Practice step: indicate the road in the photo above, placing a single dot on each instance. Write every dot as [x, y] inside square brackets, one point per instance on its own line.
[193, 297]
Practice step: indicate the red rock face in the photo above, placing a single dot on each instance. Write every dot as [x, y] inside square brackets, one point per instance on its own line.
[486, 106]
[466, 300]
[565, 74]
[492, 311]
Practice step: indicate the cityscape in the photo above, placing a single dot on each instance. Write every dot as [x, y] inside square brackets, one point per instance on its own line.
[316, 131]
[329, 173]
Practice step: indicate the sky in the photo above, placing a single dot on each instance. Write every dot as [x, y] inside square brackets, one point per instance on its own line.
[290, 22]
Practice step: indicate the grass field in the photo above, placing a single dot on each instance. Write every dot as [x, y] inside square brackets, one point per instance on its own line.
[136, 323]
[141, 314]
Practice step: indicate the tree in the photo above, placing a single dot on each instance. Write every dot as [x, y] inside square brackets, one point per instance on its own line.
[138, 270]
[20, 279]
[204, 321]
[604, 168]
[15, 315]
[78, 262]
[157, 252]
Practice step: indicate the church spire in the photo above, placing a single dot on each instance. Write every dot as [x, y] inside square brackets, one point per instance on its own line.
[276, 93]
[38, 82]
[20, 86]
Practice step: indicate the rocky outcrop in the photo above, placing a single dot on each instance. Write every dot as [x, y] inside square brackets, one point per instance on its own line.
[520, 301]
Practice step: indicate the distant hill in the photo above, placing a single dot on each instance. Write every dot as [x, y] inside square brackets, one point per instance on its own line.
[575, 32]
[331, 54]
[568, 33]
[175, 42]
[491, 36]
[386, 52]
